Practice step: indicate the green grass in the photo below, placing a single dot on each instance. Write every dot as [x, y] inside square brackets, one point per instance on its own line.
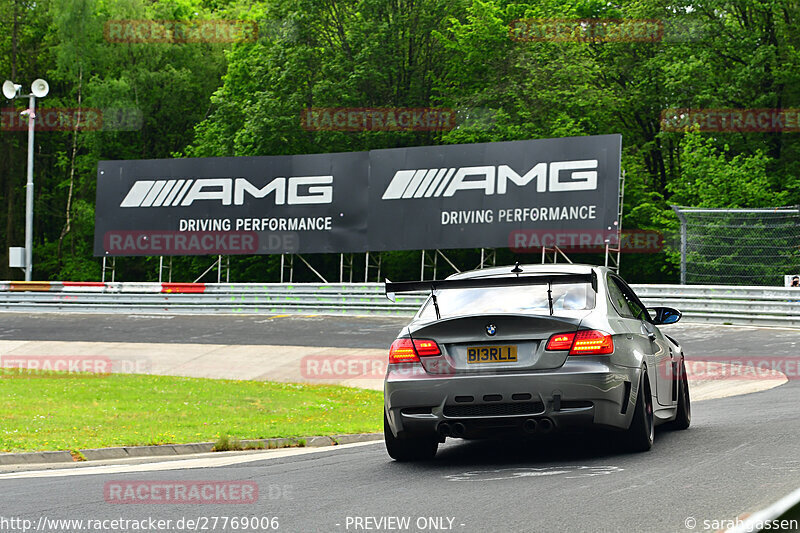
[53, 412]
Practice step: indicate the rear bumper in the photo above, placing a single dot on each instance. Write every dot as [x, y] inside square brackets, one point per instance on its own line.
[582, 393]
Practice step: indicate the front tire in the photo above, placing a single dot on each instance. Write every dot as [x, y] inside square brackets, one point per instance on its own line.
[683, 416]
[410, 448]
[640, 434]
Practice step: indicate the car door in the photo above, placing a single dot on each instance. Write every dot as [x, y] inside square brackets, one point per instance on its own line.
[663, 361]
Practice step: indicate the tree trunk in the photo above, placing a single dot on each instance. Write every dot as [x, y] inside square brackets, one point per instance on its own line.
[67, 224]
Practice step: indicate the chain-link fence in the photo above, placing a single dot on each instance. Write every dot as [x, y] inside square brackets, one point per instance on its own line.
[739, 246]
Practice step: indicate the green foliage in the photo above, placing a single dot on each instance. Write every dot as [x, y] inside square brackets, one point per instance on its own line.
[709, 178]
[226, 443]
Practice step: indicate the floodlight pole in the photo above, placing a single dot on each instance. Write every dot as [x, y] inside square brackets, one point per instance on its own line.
[29, 193]
[39, 88]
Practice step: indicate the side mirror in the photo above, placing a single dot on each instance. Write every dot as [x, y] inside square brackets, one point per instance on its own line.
[664, 315]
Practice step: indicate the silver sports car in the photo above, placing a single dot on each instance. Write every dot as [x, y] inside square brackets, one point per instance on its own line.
[531, 349]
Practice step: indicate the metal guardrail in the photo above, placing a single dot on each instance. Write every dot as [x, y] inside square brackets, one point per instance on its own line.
[769, 306]
[725, 304]
[199, 298]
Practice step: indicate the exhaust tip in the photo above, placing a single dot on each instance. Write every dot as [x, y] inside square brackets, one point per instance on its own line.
[458, 429]
[529, 426]
[546, 425]
[444, 429]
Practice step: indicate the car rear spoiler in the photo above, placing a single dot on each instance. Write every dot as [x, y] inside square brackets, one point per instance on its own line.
[392, 288]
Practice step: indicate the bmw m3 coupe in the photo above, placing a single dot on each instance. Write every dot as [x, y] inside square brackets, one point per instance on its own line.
[531, 349]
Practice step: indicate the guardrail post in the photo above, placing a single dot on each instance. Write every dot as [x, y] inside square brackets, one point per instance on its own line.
[682, 219]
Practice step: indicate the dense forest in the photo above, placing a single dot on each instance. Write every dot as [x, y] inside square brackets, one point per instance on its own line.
[212, 97]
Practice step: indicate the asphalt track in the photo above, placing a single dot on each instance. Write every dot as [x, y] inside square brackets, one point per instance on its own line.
[293, 330]
[741, 454]
[337, 331]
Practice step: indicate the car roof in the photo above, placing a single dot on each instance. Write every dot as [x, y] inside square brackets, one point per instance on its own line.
[528, 269]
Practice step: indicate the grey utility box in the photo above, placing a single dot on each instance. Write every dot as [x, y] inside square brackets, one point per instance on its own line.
[16, 257]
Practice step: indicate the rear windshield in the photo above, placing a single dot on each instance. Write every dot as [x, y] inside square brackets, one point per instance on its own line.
[525, 299]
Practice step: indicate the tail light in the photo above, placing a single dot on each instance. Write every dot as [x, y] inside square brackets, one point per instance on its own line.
[426, 348]
[560, 341]
[583, 342]
[408, 351]
[592, 342]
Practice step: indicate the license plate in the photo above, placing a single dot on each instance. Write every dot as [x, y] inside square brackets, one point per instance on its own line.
[492, 354]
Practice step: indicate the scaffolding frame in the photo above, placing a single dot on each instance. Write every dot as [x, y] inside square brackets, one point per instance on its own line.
[218, 264]
[611, 261]
[161, 269]
[112, 268]
[287, 263]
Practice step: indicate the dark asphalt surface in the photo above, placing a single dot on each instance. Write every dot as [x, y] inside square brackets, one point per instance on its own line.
[336, 331]
[741, 453]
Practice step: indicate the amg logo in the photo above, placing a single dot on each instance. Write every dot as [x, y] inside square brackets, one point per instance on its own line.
[172, 193]
[424, 183]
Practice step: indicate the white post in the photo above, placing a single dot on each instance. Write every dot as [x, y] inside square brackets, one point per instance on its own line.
[29, 194]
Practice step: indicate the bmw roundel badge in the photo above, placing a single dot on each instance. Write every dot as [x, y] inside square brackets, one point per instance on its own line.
[491, 329]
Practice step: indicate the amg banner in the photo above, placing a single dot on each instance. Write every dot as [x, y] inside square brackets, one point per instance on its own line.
[488, 195]
[232, 205]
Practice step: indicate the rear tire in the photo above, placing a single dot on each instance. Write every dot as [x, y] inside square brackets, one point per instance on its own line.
[410, 448]
[683, 416]
[639, 437]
